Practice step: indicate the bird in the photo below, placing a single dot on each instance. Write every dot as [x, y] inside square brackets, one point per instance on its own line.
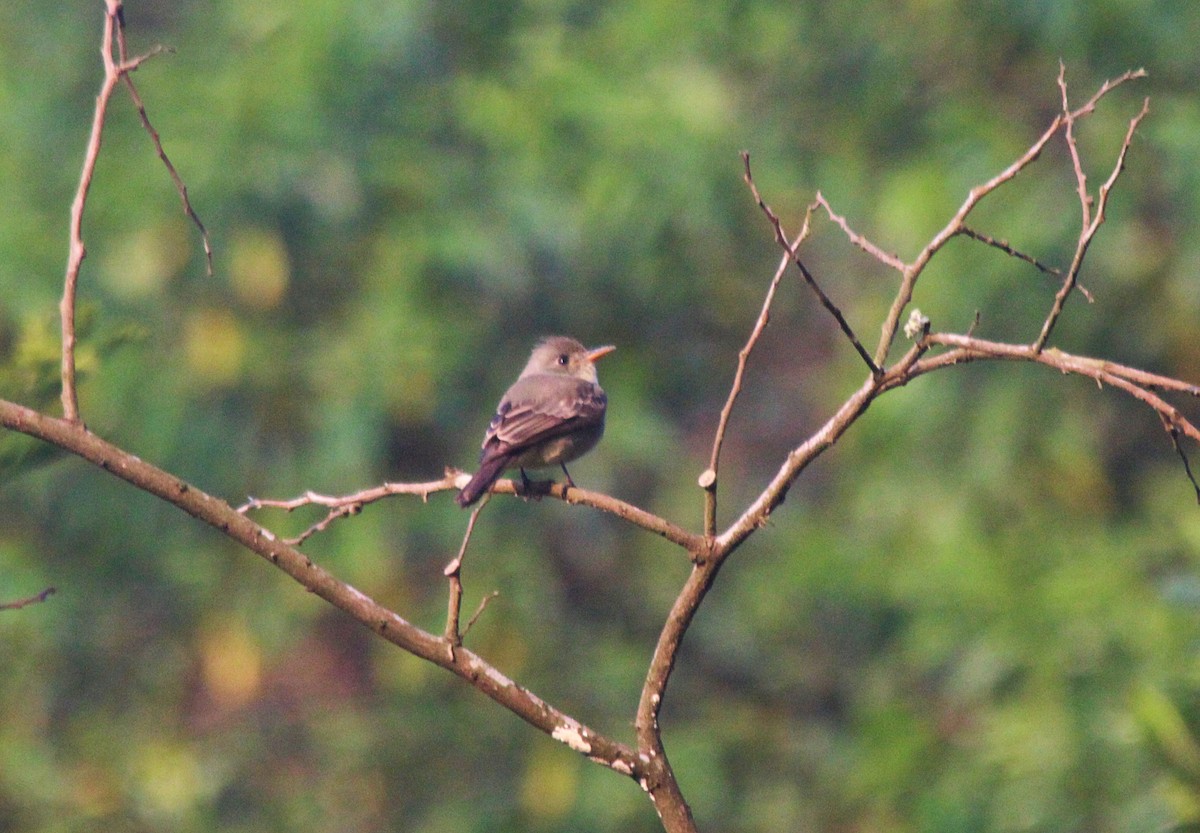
[552, 414]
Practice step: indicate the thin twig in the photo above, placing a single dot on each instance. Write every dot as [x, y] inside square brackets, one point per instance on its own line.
[1138, 383]
[1092, 222]
[782, 239]
[483, 603]
[859, 240]
[117, 67]
[345, 506]
[180, 186]
[1107, 87]
[1173, 433]
[837, 314]
[348, 510]
[363, 497]
[1068, 115]
[128, 67]
[708, 479]
[453, 573]
[77, 251]
[455, 479]
[1002, 245]
[35, 599]
[913, 270]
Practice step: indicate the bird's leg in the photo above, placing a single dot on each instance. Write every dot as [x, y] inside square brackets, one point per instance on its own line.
[570, 482]
[526, 485]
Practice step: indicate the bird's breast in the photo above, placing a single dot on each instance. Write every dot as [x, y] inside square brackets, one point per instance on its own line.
[561, 449]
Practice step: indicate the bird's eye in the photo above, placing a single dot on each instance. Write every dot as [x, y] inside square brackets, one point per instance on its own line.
[563, 359]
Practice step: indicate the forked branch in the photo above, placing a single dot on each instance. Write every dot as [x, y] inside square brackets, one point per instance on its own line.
[1090, 223]
[117, 68]
[708, 551]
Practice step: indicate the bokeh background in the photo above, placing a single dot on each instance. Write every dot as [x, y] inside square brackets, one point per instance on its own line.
[980, 611]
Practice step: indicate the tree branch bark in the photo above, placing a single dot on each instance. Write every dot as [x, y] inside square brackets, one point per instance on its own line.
[222, 517]
[648, 763]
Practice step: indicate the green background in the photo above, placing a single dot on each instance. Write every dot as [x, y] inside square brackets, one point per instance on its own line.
[978, 612]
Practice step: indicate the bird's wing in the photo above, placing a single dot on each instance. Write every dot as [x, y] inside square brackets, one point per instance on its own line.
[523, 419]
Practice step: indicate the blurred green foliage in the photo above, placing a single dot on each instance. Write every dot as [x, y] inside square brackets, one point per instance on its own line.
[978, 612]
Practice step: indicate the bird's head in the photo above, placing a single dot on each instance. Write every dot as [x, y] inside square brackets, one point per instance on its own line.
[564, 356]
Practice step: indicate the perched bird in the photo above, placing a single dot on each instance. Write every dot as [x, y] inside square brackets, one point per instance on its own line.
[553, 414]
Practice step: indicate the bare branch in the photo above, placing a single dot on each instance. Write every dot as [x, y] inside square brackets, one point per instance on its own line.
[454, 479]
[344, 506]
[756, 514]
[1138, 383]
[128, 66]
[1085, 199]
[453, 573]
[77, 251]
[471, 667]
[859, 240]
[782, 239]
[180, 186]
[648, 763]
[1107, 87]
[362, 498]
[660, 780]
[1091, 224]
[1173, 433]
[913, 270]
[483, 603]
[626, 511]
[1002, 245]
[31, 600]
[117, 67]
[708, 480]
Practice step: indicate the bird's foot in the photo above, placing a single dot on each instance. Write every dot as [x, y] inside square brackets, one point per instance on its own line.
[534, 489]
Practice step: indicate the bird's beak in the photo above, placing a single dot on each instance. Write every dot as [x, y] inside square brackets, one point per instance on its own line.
[599, 352]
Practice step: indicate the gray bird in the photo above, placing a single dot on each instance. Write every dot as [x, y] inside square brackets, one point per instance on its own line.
[553, 414]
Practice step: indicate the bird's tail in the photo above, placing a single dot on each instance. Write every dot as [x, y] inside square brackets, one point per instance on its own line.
[490, 469]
